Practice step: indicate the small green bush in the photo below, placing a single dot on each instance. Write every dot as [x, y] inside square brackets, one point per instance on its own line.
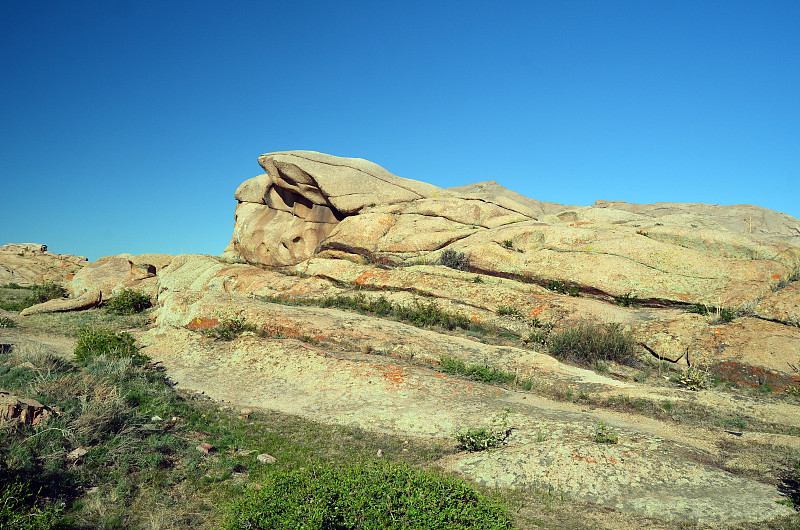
[508, 243]
[725, 315]
[479, 372]
[574, 290]
[627, 300]
[454, 260]
[693, 378]
[504, 310]
[699, 309]
[589, 343]
[485, 438]
[229, 328]
[604, 435]
[7, 322]
[128, 302]
[94, 342]
[376, 495]
[18, 509]
[42, 292]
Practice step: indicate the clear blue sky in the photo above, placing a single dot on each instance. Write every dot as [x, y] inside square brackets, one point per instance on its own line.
[126, 126]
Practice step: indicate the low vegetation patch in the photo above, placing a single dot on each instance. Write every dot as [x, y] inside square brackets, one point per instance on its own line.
[454, 260]
[589, 344]
[7, 322]
[128, 302]
[604, 435]
[378, 494]
[484, 438]
[557, 286]
[479, 372]
[419, 313]
[94, 342]
[229, 328]
[693, 378]
[29, 296]
[120, 453]
[627, 300]
[506, 310]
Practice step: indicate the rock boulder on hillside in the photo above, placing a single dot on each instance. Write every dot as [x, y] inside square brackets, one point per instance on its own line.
[29, 263]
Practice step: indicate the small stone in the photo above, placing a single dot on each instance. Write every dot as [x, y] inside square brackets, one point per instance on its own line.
[77, 454]
[206, 448]
[149, 427]
[264, 458]
[379, 454]
[156, 418]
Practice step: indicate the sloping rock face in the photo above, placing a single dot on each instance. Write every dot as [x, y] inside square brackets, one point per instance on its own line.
[309, 204]
[283, 214]
[29, 263]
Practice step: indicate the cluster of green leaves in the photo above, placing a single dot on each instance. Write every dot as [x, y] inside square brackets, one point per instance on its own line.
[693, 378]
[560, 287]
[479, 372]
[725, 315]
[376, 495]
[454, 260]
[19, 510]
[507, 310]
[93, 342]
[128, 302]
[588, 343]
[37, 293]
[627, 300]
[700, 309]
[7, 322]
[484, 438]
[230, 328]
[604, 435]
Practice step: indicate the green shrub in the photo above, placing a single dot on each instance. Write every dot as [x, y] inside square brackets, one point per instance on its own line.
[454, 260]
[229, 328]
[604, 435]
[376, 495]
[42, 292]
[693, 378]
[128, 302]
[557, 286]
[18, 509]
[725, 315]
[699, 309]
[508, 243]
[627, 300]
[574, 290]
[479, 372]
[485, 438]
[7, 322]
[94, 342]
[589, 343]
[504, 310]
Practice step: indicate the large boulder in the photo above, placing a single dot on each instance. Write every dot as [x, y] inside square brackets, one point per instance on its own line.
[112, 274]
[29, 263]
[283, 214]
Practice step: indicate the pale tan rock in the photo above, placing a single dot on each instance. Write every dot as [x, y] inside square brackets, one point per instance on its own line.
[17, 409]
[84, 301]
[111, 274]
[782, 305]
[29, 263]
